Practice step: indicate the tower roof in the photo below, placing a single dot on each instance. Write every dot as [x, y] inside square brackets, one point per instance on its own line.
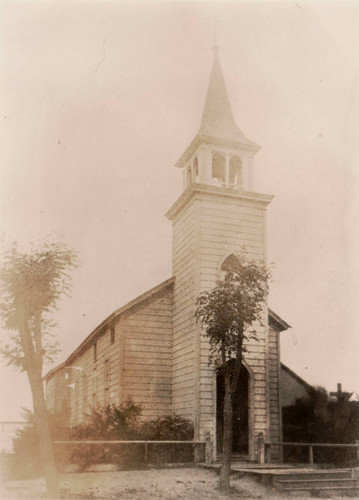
[218, 125]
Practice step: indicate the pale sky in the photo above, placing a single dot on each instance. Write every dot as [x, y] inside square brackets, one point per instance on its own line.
[100, 99]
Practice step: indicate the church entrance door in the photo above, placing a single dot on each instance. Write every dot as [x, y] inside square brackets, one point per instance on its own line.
[240, 425]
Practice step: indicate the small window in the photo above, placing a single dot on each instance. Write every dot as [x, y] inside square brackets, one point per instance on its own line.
[107, 381]
[195, 170]
[84, 393]
[107, 374]
[94, 389]
[218, 169]
[95, 352]
[188, 177]
[112, 334]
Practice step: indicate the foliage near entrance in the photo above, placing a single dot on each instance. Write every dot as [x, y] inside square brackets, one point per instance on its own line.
[31, 287]
[229, 314]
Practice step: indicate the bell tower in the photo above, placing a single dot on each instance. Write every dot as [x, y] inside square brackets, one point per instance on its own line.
[218, 215]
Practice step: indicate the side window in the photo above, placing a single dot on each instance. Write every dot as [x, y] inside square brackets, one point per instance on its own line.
[107, 381]
[84, 393]
[195, 170]
[94, 389]
[188, 177]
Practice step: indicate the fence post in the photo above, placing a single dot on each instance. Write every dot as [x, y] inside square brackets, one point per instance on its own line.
[208, 451]
[146, 454]
[261, 449]
[311, 458]
[267, 453]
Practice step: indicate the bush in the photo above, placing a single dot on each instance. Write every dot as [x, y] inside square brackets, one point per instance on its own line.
[26, 461]
[111, 423]
[169, 428]
[317, 419]
[117, 423]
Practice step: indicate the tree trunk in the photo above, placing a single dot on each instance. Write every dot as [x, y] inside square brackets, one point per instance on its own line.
[43, 432]
[227, 435]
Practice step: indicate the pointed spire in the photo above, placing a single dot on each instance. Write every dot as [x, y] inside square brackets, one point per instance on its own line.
[218, 126]
[217, 117]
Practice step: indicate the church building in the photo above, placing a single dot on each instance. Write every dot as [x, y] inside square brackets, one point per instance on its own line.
[152, 350]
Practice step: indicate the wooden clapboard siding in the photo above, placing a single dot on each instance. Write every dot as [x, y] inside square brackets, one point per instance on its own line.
[208, 225]
[138, 364]
[147, 357]
[87, 376]
[184, 265]
[228, 226]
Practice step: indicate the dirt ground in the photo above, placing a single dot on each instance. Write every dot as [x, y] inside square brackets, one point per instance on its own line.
[186, 483]
[165, 484]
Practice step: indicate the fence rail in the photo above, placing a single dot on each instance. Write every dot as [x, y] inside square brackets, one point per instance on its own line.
[266, 456]
[198, 456]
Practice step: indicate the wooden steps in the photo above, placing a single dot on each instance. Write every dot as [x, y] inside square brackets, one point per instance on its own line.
[300, 480]
[331, 482]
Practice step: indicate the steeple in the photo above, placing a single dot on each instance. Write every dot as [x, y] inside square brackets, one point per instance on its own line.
[218, 126]
[217, 118]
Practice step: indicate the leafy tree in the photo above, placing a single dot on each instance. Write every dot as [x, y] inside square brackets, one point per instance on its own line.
[228, 313]
[31, 286]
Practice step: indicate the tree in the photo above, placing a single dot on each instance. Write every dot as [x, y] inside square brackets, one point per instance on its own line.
[228, 313]
[31, 286]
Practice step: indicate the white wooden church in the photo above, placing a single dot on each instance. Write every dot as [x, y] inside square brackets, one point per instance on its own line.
[152, 350]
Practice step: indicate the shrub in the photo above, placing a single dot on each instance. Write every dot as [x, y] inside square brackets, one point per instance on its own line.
[317, 419]
[169, 428]
[26, 461]
[117, 423]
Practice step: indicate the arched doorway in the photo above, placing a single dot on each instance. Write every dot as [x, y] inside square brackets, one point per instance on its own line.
[240, 422]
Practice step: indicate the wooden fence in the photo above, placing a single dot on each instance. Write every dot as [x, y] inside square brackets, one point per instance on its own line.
[199, 447]
[264, 449]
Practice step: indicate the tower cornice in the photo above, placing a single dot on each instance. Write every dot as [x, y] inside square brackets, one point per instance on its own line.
[198, 189]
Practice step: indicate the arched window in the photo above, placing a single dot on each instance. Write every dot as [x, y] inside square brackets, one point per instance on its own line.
[195, 170]
[218, 168]
[230, 263]
[235, 172]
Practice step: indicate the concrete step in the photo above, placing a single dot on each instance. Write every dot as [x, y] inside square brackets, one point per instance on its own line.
[305, 483]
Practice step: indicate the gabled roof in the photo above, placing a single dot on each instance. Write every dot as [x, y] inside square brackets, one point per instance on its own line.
[218, 125]
[297, 377]
[277, 322]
